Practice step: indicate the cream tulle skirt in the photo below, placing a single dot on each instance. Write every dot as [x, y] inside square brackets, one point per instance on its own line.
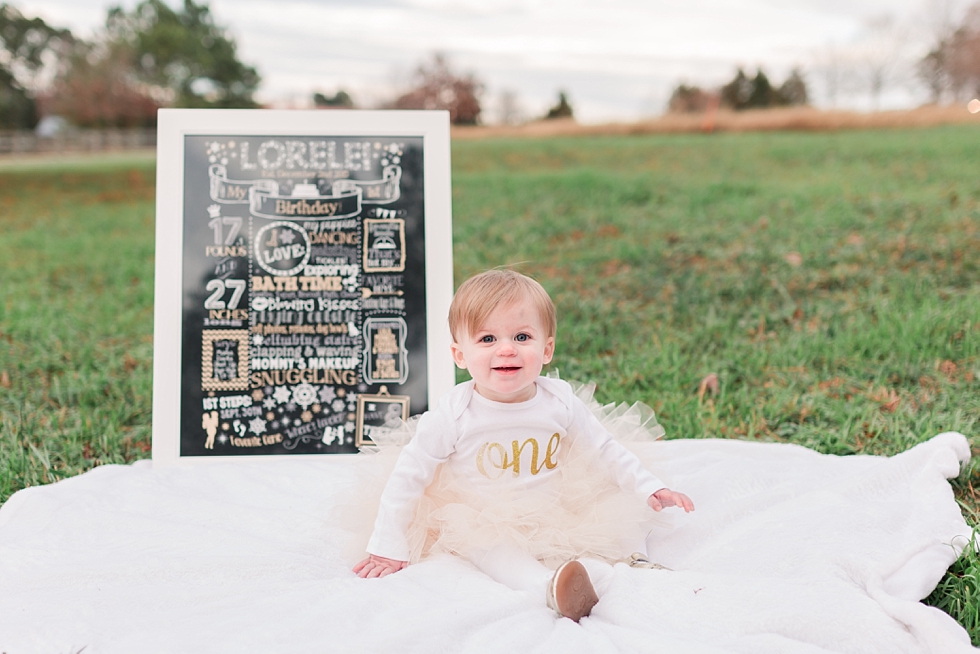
[584, 513]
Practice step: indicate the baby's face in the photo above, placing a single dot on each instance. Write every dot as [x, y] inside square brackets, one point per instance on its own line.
[506, 354]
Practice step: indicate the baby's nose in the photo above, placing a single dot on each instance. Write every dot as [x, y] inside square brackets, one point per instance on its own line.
[507, 348]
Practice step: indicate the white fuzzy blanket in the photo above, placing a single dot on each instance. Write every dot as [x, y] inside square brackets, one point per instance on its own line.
[788, 551]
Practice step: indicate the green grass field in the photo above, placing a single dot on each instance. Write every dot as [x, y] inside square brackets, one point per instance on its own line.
[830, 281]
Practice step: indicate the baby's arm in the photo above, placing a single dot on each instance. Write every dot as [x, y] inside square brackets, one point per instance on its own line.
[388, 548]
[666, 497]
[377, 566]
[625, 467]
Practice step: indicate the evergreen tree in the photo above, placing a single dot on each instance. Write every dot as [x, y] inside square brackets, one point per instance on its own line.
[762, 95]
[737, 92]
[561, 110]
[793, 90]
[339, 100]
[744, 92]
[17, 109]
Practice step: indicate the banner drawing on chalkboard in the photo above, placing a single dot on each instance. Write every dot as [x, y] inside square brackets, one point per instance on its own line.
[308, 201]
[303, 290]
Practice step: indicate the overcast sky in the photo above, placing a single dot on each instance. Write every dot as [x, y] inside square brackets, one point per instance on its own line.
[617, 59]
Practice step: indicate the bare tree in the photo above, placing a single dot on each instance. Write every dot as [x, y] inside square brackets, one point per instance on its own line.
[964, 54]
[938, 21]
[690, 99]
[99, 88]
[509, 109]
[834, 67]
[437, 86]
[881, 55]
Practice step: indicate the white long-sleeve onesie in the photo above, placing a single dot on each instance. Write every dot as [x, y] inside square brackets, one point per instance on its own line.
[499, 447]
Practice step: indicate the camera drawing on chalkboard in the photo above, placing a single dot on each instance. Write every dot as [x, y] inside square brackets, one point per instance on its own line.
[380, 412]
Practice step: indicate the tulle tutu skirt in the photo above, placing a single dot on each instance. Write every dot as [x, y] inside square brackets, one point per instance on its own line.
[583, 513]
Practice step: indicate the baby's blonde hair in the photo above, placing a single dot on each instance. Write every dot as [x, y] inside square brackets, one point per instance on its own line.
[478, 296]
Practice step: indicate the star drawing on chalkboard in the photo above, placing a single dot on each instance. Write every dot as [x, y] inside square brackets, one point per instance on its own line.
[287, 237]
[257, 425]
[282, 394]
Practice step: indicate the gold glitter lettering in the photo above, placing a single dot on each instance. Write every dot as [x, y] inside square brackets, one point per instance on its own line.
[486, 460]
[500, 464]
[549, 461]
[534, 456]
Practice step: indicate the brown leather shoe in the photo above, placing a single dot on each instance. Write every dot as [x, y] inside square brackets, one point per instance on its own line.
[571, 593]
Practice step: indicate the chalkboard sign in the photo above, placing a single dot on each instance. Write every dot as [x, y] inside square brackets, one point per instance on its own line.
[303, 277]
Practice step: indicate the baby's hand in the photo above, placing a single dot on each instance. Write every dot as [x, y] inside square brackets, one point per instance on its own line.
[378, 566]
[666, 497]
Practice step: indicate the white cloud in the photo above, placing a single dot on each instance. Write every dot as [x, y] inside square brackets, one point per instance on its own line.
[615, 59]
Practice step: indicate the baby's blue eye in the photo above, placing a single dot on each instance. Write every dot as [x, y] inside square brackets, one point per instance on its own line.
[522, 338]
[487, 339]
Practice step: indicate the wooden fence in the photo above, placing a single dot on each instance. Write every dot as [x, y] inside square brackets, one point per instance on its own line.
[81, 140]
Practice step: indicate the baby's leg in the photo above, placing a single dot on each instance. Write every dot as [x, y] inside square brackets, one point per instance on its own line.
[569, 591]
[511, 566]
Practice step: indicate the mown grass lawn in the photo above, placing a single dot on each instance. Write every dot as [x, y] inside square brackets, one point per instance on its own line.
[830, 281]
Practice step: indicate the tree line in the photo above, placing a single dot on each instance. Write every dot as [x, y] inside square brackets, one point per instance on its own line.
[155, 56]
[742, 92]
[150, 57]
[886, 55]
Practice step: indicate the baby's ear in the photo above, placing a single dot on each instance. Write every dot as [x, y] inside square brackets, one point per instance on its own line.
[458, 356]
[549, 350]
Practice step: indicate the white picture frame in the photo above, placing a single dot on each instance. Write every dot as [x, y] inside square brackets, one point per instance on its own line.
[174, 128]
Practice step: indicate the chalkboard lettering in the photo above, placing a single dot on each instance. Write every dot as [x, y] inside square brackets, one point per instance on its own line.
[303, 290]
